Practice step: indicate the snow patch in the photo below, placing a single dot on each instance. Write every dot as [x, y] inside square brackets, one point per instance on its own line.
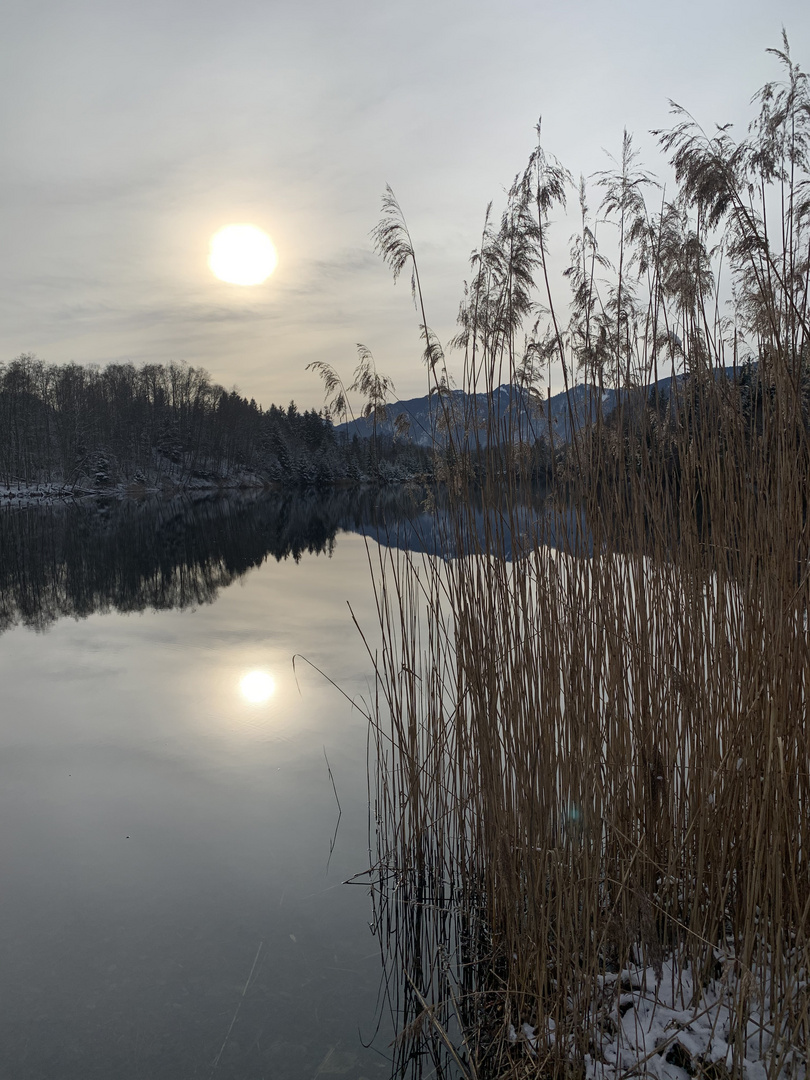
[663, 1022]
[668, 1025]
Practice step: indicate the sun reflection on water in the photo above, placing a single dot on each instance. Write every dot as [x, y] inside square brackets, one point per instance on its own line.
[257, 687]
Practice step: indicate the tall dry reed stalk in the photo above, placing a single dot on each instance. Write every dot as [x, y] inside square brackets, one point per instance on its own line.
[596, 752]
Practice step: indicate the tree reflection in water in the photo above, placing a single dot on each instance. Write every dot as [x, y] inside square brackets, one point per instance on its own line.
[75, 559]
[95, 555]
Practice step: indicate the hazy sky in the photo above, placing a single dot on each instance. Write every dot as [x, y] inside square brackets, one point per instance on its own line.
[130, 132]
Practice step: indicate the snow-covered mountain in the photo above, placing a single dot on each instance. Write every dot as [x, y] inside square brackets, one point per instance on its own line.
[518, 413]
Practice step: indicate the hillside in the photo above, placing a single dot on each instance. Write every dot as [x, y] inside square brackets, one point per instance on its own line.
[519, 414]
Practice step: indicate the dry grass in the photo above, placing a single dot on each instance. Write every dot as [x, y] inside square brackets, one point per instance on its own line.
[597, 754]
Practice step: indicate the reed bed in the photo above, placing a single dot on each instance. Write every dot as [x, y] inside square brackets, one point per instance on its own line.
[591, 757]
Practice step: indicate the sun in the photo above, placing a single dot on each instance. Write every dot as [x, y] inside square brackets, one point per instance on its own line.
[242, 255]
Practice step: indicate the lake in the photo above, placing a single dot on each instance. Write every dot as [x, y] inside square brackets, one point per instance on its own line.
[173, 853]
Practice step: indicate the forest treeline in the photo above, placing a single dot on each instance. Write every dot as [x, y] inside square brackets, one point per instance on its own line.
[93, 428]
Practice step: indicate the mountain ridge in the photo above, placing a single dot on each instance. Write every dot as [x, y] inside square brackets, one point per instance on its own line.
[520, 414]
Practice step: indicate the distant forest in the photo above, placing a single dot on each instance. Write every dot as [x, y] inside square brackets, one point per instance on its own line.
[92, 428]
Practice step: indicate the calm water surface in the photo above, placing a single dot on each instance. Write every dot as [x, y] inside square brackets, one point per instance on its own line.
[172, 897]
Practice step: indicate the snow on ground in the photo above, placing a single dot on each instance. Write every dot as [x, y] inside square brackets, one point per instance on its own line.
[48, 494]
[657, 1026]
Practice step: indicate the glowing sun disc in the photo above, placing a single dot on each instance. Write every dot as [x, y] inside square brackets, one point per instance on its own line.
[257, 687]
[242, 255]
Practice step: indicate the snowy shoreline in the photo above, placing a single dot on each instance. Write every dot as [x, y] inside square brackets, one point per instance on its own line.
[51, 493]
[655, 1021]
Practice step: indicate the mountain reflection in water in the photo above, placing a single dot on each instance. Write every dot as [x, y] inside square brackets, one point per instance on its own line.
[128, 555]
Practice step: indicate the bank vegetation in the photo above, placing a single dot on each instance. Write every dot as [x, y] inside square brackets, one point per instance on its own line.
[591, 761]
